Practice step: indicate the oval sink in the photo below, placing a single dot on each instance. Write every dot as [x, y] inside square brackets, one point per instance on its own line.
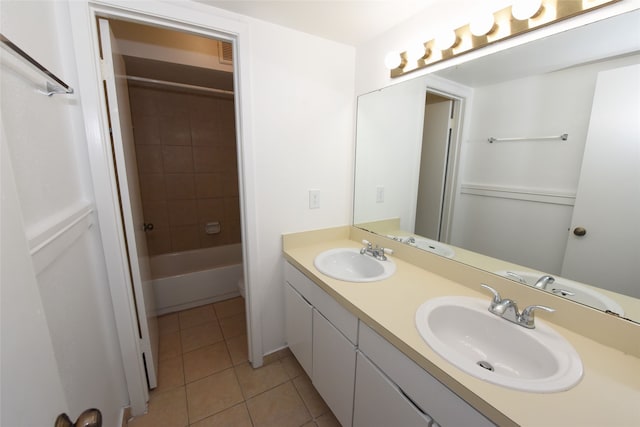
[434, 246]
[350, 265]
[464, 332]
[569, 289]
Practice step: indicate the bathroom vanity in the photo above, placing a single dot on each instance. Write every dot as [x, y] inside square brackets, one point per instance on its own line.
[359, 345]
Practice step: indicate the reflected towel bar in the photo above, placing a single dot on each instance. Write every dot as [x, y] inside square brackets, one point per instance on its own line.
[563, 137]
[59, 87]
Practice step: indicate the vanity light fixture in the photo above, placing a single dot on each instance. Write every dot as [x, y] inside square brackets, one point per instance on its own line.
[526, 9]
[482, 24]
[446, 40]
[521, 17]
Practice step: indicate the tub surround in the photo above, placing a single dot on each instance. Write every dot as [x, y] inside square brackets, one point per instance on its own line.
[608, 346]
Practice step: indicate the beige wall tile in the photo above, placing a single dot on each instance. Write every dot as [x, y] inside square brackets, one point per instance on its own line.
[175, 130]
[156, 213]
[210, 210]
[178, 159]
[209, 185]
[158, 241]
[149, 159]
[207, 159]
[184, 238]
[180, 186]
[146, 130]
[152, 187]
[213, 394]
[182, 212]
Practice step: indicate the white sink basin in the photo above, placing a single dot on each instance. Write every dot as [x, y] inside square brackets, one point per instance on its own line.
[350, 265]
[434, 246]
[569, 289]
[464, 332]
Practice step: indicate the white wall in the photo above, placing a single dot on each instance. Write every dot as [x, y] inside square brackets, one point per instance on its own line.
[59, 350]
[526, 232]
[302, 108]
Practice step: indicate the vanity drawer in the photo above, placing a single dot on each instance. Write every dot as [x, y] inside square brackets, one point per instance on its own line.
[431, 396]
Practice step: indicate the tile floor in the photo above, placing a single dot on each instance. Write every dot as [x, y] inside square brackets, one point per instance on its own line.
[205, 380]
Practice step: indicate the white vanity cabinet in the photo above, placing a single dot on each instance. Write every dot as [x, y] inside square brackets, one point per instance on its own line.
[323, 336]
[423, 393]
[380, 402]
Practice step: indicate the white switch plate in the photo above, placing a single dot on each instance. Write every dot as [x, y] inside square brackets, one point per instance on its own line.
[314, 199]
[379, 194]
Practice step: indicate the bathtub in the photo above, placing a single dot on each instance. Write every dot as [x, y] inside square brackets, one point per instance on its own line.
[182, 280]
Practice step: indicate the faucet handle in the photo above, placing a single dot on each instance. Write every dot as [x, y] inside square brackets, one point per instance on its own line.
[366, 242]
[496, 296]
[527, 317]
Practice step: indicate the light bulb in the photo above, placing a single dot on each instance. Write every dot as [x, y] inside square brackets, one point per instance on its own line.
[446, 40]
[525, 9]
[416, 52]
[392, 60]
[482, 24]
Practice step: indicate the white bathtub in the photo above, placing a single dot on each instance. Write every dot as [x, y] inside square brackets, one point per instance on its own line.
[188, 279]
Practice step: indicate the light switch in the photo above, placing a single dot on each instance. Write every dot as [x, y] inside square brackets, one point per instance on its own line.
[314, 199]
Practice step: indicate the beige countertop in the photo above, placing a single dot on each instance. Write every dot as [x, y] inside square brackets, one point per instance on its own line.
[607, 395]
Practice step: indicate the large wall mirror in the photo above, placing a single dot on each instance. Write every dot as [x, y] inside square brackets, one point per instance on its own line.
[524, 163]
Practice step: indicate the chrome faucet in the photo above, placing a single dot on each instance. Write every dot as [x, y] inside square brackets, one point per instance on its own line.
[376, 252]
[508, 310]
[544, 281]
[408, 239]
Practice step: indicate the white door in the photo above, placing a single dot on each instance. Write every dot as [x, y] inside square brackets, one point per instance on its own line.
[608, 198]
[433, 165]
[130, 200]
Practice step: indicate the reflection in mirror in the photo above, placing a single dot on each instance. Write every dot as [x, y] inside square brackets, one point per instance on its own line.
[509, 204]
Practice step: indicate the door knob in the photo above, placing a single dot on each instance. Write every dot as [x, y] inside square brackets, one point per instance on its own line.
[89, 418]
[579, 231]
[147, 226]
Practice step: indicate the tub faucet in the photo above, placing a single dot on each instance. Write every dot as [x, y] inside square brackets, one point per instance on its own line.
[544, 281]
[508, 310]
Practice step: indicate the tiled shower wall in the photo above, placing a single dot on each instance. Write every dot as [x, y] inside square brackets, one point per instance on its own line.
[186, 155]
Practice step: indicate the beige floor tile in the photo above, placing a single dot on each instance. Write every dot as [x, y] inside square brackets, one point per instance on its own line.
[310, 424]
[237, 416]
[170, 373]
[238, 349]
[197, 316]
[166, 409]
[168, 323]
[169, 345]
[233, 326]
[278, 407]
[291, 365]
[229, 307]
[205, 361]
[277, 355]
[213, 394]
[255, 381]
[327, 420]
[313, 401]
[200, 336]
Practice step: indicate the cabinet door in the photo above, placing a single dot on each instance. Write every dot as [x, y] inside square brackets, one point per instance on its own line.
[334, 368]
[379, 402]
[299, 327]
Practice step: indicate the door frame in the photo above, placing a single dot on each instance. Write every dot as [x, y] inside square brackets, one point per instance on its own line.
[187, 17]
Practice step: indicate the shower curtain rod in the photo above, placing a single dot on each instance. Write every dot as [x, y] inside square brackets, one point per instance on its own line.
[180, 85]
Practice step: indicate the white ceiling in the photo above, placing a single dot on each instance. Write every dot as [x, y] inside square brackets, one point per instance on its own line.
[346, 21]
